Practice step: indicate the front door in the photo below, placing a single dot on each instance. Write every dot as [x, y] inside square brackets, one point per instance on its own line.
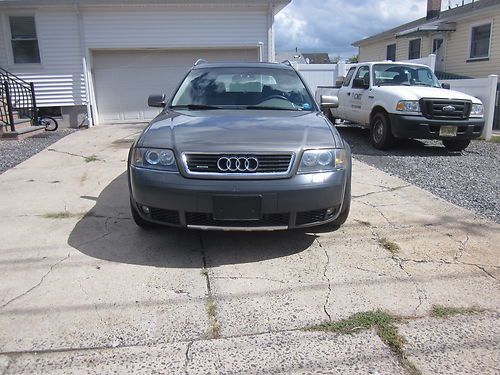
[359, 95]
[438, 49]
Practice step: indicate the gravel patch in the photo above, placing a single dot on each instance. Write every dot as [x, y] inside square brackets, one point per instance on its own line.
[13, 153]
[470, 179]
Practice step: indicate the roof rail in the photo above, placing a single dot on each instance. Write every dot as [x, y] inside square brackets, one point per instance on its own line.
[200, 61]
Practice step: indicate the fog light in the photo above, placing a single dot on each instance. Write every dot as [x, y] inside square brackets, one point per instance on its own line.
[145, 209]
[330, 211]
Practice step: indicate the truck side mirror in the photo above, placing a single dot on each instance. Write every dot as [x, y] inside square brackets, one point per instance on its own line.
[157, 101]
[329, 102]
[446, 86]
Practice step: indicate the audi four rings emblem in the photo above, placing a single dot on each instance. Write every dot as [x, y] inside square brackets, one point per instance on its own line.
[238, 164]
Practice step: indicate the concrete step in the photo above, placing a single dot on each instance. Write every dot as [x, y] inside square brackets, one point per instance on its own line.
[22, 133]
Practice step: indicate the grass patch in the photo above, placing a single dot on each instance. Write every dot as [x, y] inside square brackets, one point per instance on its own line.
[62, 215]
[363, 223]
[443, 312]
[213, 331]
[385, 327]
[204, 272]
[91, 158]
[495, 140]
[389, 245]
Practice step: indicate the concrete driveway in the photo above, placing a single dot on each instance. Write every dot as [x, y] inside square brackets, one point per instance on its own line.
[83, 290]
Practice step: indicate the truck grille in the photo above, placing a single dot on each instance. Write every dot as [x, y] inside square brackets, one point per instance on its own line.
[446, 109]
[238, 164]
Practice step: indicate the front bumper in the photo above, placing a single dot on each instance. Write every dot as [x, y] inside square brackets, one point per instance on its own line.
[420, 127]
[300, 201]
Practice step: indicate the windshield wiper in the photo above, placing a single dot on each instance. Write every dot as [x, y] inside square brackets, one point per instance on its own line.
[270, 108]
[422, 84]
[196, 106]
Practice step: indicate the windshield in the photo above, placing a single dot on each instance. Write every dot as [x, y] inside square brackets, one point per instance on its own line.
[403, 75]
[243, 88]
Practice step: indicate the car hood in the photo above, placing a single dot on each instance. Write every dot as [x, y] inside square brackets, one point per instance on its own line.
[239, 131]
[418, 92]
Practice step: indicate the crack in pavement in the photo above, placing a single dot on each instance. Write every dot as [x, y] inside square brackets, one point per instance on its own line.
[420, 292]
[37, 284]
[247, 278]
[325, 270]
[106, 228]
[391, 224]
[461, 248]
[188, 358]
[385, 190]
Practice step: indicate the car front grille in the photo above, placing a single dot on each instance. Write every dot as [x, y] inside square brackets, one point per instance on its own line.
[309, 217]
[446, 109]
[206, 219]
[258, 164]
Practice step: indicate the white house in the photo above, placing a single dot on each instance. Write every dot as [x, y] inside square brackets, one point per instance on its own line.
[102, 58]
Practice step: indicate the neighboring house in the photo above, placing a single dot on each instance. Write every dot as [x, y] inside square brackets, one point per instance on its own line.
[290, 56]
[465, 39]
[317, 58]
[104, 57]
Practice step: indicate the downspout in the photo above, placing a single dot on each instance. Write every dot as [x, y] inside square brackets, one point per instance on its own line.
[83, 53]
[270, 34]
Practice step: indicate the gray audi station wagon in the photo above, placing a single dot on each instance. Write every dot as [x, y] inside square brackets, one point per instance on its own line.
[240, 146]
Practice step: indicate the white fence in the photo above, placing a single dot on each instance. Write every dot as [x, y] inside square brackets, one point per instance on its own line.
[482, 88]
[485, 89]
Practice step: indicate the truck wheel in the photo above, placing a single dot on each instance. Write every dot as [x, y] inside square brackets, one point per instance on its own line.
[329, 115]
[380, 132]
[455, 144]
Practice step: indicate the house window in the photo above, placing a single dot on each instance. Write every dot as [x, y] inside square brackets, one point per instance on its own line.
[480, 41]
[414, 49]
[24, 40]
[391, 52]
[436, 45]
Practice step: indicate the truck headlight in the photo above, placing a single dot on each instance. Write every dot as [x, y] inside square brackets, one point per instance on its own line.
[316, 161]
[477, 110]
[154, 158]
[408, 106]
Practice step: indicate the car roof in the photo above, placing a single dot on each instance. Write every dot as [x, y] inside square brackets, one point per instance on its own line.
[242, 65]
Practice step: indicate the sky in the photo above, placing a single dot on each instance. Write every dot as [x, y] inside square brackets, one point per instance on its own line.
[333, 25]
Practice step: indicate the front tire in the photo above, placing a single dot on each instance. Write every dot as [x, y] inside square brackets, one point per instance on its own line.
[456, 144]
[380, 132]
[49, 123]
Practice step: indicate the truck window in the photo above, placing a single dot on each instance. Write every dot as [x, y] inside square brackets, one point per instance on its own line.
[347, 79]
[363, 75]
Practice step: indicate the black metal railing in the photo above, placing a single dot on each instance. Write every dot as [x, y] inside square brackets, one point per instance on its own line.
[16, 96]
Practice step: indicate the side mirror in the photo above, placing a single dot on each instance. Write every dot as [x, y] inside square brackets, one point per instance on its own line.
[446, 86]
[157, 101]
[329, 102]
[359, 83]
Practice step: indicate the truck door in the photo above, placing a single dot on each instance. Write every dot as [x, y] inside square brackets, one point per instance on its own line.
[358, 95]
[344, 104]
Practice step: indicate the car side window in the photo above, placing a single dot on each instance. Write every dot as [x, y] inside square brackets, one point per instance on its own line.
[348, 78]
[362, 77]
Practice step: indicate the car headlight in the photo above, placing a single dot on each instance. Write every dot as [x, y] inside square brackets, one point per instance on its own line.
[314, 161]
[154, 158]
[477, 110]
[408, 106]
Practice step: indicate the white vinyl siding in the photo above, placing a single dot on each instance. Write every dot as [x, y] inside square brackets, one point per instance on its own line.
[59, 78]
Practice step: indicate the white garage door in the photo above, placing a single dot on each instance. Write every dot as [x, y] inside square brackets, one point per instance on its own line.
[124, 79]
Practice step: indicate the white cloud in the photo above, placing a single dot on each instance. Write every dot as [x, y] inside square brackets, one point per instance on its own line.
[333, 25]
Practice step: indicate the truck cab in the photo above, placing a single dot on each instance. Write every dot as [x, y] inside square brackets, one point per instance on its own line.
[402, 100]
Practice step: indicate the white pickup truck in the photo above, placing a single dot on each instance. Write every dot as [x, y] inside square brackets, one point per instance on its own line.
[402, 100]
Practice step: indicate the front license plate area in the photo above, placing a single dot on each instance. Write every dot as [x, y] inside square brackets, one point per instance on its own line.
[448, 131]
[230, 207]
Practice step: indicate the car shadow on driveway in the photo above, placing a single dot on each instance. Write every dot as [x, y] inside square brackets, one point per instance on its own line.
[107, 232]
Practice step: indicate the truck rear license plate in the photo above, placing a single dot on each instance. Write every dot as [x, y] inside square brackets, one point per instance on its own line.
[229, 207]
[448, 131]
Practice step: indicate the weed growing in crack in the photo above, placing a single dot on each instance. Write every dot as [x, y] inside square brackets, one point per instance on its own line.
[363, 223]
[91, 158]
[389, 245]
[62, 215]
[213, 331]
[385, 327]
[444, 312]
[204, 272]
